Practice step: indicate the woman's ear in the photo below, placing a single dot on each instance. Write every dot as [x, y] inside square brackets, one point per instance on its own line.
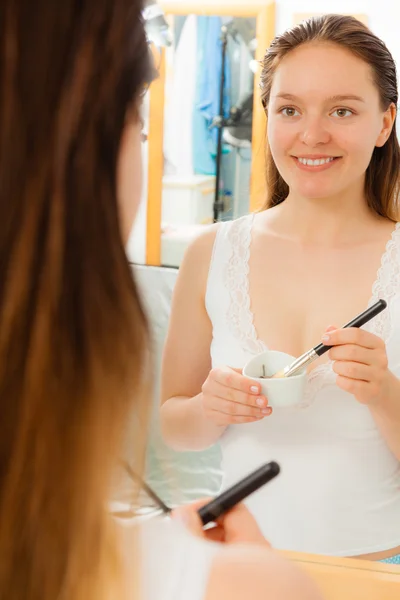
[389, 117]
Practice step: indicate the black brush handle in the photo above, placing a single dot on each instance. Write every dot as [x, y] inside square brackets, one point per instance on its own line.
[238, 492]
[359, 321]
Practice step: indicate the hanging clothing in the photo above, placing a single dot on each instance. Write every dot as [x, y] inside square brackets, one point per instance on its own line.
[180, 98]
[206, 104]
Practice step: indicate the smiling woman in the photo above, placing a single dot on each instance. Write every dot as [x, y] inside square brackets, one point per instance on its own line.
[327, 247]
[316, 118]
[324, 132]
[355, 124]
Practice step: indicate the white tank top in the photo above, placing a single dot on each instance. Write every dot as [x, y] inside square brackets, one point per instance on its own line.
[339, 489]
[175, 565]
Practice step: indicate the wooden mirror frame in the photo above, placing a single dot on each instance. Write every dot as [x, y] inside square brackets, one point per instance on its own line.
[264, 12]
[349, 578]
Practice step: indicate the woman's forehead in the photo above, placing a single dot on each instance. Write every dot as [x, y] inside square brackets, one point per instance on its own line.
[323, 71]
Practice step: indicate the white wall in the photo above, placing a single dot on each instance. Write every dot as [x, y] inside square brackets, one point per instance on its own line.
[383, 16]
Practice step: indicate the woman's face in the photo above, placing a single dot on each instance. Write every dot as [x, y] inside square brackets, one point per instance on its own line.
[324, 120]
[130, 176]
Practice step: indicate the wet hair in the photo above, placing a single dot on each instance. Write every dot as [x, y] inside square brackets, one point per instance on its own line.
[382, 175]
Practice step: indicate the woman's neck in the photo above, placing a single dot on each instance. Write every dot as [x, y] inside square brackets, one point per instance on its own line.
[324, 221]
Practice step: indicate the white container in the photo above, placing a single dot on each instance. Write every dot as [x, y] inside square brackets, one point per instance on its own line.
[188, 200]
[281, 392]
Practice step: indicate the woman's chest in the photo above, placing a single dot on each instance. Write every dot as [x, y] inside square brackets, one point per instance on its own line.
[296, 294]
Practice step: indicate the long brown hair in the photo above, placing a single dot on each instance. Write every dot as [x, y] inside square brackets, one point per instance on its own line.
[382, 176]
[72, 331]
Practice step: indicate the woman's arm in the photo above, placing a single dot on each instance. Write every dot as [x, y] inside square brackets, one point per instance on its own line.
[186, 359]
[245, 567]
[249, 572]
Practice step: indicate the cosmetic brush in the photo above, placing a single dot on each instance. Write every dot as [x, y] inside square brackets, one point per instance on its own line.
[308, 357]
[238, 492]
[144, 486]
[220, 505]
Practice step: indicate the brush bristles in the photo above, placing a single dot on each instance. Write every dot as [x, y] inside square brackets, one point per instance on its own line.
[278, 375]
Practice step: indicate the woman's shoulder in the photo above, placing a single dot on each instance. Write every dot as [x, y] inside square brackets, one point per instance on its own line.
[205, 240]
[202, 243]
[175, 565]
[200, 252]
[213, 571]
[241, 572]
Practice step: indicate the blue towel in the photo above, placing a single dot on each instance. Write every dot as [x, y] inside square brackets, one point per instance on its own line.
[393, 560]
[209, 65]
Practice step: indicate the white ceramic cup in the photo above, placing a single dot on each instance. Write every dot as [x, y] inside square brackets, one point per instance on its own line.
[281, 392]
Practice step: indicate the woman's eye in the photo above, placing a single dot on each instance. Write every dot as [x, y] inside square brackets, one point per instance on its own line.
[342, 112]
[289, 111]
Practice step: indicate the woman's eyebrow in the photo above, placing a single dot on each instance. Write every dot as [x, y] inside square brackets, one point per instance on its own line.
[336, 98]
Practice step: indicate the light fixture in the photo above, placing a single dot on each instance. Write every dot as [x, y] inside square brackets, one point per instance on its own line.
[157, 29]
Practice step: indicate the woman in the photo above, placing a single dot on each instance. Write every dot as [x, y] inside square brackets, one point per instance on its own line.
[73, 335]
[326, 246]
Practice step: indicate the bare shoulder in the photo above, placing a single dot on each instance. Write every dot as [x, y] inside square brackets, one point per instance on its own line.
[242, 572]
[200, 249]
[195, 265]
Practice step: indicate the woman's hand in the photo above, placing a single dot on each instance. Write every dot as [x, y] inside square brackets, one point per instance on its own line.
[360, 362]
[229, 398]
[237, 526]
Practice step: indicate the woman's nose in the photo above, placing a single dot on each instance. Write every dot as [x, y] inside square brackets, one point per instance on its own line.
[314, 133]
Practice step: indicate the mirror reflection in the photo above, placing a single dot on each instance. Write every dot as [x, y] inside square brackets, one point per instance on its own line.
[324, 246]
[209, 92]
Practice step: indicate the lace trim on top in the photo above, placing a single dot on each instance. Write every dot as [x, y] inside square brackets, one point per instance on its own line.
[387, 285]
[239, 316]
[240, 319]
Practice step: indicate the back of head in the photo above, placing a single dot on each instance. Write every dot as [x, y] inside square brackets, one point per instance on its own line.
[72, 331]
[382, 176]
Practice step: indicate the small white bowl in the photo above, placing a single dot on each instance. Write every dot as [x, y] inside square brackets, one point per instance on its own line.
[281, 392]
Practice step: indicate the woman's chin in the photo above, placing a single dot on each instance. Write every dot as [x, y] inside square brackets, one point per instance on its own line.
[316, 193]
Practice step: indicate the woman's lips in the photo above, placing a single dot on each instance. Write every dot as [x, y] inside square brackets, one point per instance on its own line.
[315, 164]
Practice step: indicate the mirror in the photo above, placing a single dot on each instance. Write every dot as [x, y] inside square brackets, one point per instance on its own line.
[180, 202]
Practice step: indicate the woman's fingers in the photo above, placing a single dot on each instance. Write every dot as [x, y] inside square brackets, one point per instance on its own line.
[353, 370]
[233, 379]
[356, 354]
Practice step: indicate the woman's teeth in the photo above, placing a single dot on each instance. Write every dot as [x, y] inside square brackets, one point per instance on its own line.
[315, 163]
